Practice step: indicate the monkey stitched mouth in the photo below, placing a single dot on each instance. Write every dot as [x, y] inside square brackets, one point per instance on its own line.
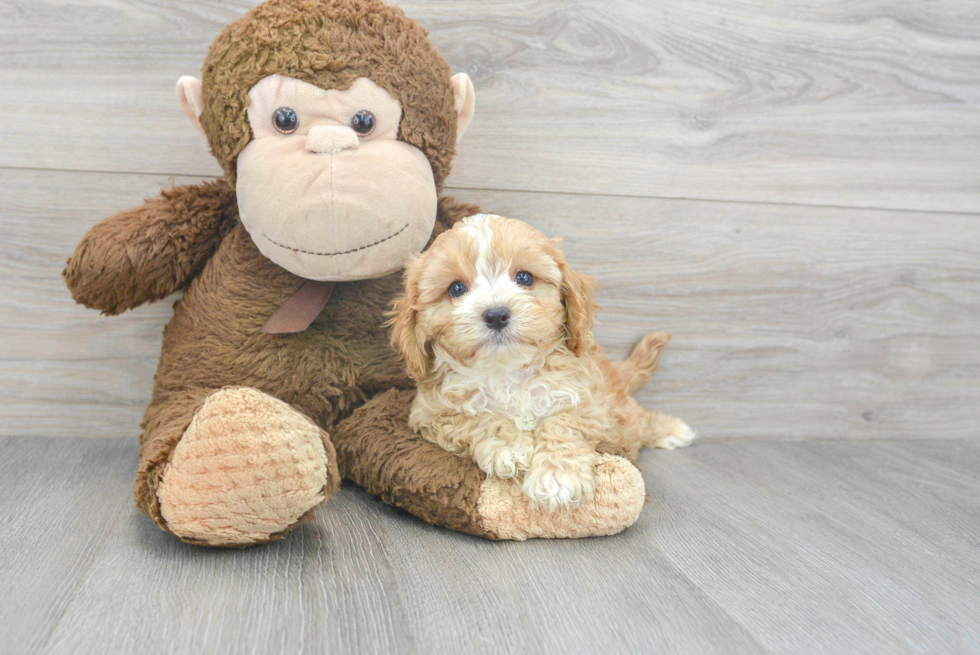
[339, 252]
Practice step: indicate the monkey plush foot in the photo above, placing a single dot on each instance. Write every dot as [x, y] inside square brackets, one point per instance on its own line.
[614, 506]
[245, 471]
[377, 450]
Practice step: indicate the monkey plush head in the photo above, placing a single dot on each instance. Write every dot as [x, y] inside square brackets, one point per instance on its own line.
[337, 121]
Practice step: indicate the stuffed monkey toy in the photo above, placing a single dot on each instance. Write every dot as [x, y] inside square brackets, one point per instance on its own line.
[335, 122]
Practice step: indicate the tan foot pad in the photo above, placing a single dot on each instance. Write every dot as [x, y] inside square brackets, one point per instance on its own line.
[619, 497]
[246, 469]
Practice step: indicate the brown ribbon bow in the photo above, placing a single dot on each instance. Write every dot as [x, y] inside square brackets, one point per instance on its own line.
[300, 309]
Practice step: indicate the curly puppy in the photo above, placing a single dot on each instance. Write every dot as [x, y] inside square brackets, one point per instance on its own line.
[496, 329]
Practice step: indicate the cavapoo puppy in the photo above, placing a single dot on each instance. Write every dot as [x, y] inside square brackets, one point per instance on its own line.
[496, 329]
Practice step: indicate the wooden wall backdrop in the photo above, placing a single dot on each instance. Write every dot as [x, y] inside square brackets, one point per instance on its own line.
[792, 188]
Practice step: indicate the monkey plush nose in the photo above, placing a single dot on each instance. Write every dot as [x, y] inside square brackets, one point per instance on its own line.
[496, 318]
[325, 139]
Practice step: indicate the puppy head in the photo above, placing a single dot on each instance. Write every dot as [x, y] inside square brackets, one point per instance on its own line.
[491, 291]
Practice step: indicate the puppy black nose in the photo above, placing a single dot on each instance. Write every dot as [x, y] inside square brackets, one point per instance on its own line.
[496, 318]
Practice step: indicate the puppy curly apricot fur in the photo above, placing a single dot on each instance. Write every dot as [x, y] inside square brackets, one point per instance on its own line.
[496, 328]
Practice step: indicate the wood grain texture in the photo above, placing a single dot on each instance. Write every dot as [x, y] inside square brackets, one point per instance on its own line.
[746, 547]
[59, 500]
[329, 588]
[552, 596]
[788, 321]
[869, 103]
[882, 572]
[365, 578]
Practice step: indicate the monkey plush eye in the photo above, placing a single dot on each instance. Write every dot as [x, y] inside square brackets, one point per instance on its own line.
[524, 278]
[456, 289]
[362, 122]
[285, 120]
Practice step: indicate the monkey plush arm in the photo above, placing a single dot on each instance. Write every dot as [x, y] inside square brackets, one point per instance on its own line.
[146, 253]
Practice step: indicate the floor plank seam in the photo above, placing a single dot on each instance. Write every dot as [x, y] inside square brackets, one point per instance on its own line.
[723, 201]
[42, 169]
[718, 606]
[871, 208]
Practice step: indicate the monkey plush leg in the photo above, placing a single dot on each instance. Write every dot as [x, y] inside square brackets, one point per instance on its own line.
[377, 450]
[232, 467]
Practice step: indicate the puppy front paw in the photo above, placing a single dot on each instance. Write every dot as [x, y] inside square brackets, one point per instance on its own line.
[505, 460]
[679, 435]
[553, 483]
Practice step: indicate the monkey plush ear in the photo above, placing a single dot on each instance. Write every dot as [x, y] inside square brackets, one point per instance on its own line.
[465, 102]
[191, 99]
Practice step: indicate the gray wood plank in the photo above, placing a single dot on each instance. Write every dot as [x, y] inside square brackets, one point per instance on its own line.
[59, 500]
[752, 546]
[366, 578]
[788, 321]
[887, 568]
[552, 596]
[871, 103]
[329, 588]
[943, 474]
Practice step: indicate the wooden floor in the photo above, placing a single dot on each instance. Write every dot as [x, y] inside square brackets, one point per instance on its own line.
[791, 188]
[752, 546]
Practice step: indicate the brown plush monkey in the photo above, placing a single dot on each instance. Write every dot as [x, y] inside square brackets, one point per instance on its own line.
[335, 122]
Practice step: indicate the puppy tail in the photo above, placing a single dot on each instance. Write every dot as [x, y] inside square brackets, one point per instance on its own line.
[637, 369]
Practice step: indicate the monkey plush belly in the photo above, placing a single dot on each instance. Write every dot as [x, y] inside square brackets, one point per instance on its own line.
[215, 339]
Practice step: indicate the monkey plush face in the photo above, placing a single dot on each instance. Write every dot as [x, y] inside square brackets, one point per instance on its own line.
[325, 188]
[336, 120]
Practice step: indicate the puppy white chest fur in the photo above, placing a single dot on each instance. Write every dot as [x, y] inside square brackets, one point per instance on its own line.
[525, 396]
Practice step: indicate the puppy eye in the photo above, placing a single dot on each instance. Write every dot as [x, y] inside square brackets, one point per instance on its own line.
[362, 122]
[524, 278]
[285, 120]
[456, 289]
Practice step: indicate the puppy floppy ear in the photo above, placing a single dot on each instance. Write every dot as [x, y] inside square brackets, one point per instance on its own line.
[578, 295]
[405, 337]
